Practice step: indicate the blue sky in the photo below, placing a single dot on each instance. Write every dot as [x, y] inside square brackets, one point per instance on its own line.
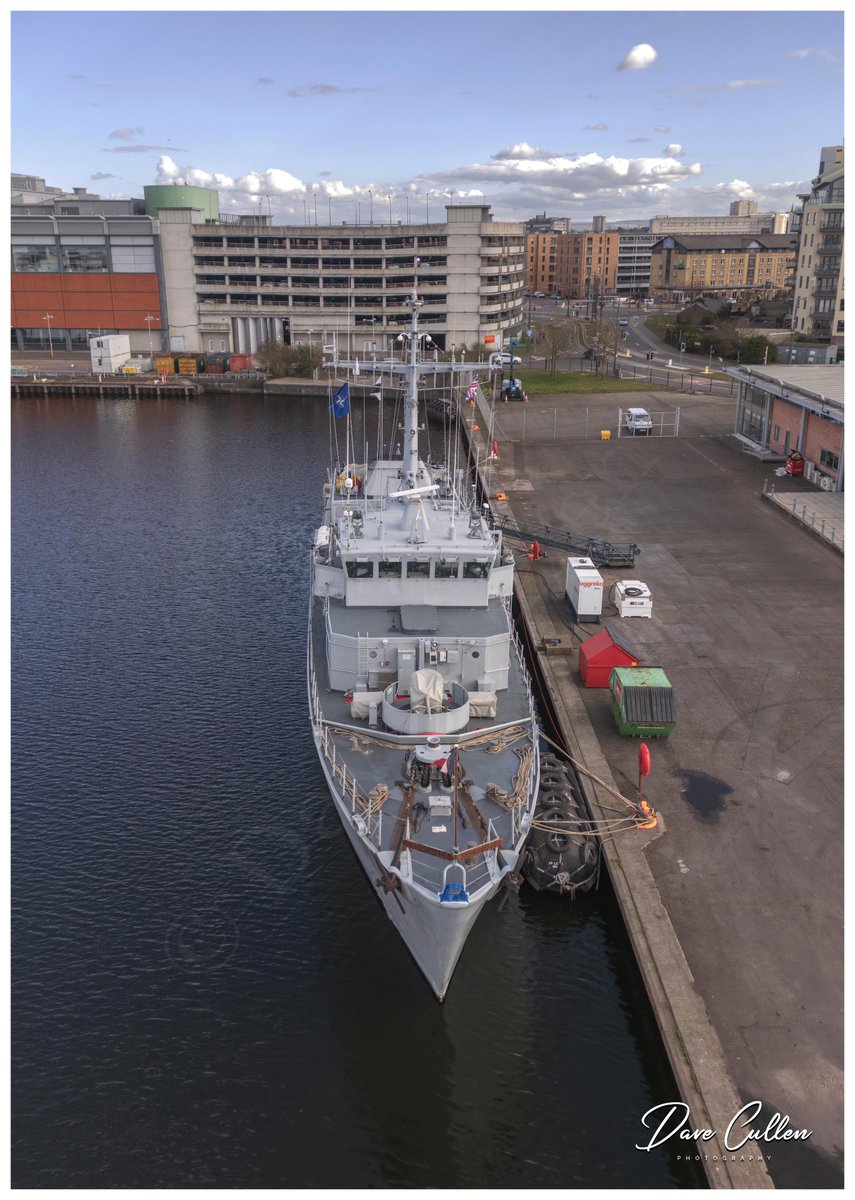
[628, 113]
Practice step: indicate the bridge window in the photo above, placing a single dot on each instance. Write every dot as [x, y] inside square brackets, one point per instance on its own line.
[476, 570]
[445, 570]
[419, 569]
[360, 569]
[389, 568]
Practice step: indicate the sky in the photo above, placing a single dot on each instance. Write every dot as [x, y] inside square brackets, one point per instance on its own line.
[351, 114]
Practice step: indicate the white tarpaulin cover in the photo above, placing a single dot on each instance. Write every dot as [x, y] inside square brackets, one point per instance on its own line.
[427, 690]
[482, 704]
[361, 700]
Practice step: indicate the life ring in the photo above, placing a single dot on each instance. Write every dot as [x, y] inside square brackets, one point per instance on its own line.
[348, 696]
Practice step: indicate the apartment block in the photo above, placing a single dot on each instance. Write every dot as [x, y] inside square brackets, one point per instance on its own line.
[748, 267]
[541, 259]
[587, 264]
[819, 227]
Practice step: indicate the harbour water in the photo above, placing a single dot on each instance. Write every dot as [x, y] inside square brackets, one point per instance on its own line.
[206, 992]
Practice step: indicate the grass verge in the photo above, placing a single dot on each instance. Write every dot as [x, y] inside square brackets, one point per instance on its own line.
[576, 383]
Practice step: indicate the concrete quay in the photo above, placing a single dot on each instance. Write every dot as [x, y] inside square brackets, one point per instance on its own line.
[735, 903]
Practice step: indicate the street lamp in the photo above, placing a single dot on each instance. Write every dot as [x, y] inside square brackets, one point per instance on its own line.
[49, 317]
[148, 321]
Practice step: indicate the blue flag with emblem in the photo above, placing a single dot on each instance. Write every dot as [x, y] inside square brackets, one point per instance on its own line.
[341, 401]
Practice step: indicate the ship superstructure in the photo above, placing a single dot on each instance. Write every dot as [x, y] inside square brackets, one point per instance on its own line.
[420, 702]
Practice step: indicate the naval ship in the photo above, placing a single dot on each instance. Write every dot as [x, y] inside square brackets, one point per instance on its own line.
[420, 702]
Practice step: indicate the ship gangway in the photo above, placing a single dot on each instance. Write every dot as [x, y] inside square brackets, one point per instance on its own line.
[602, 553]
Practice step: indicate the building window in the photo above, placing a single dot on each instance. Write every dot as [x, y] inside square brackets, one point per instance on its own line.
[34, 259]
[829, 460]
[84, 259]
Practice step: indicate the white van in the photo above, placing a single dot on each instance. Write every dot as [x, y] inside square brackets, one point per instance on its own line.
[637, 420]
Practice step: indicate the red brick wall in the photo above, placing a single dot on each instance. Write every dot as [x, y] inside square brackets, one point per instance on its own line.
[822, 435]
[785, 416]
[84, 301]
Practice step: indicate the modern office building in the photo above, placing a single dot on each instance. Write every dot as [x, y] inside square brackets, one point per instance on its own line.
[173, 273]
[819, 229]
[727, 264]
[633, 264]
[82, 265]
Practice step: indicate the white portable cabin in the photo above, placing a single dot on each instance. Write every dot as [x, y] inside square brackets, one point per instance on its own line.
[109, 353]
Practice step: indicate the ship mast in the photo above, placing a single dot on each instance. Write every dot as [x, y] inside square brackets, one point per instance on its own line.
[411, 401]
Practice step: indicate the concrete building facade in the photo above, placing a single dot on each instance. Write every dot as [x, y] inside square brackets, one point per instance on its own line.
[819, 227]
[739, 223]
[245, 281]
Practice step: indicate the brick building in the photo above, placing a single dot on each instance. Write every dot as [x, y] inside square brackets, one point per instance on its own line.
[783, 408]
[753, 267]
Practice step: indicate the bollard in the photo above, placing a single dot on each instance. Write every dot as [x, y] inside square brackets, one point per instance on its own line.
[822, 528]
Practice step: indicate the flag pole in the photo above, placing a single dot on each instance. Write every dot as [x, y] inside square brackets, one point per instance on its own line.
[456, 766]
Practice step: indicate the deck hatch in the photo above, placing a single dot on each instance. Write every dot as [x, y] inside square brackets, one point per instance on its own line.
[419, 618]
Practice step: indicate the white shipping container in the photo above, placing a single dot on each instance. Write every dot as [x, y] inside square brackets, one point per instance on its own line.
[109, 353]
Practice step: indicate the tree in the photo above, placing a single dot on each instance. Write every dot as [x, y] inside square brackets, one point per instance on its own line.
[280, 360]
[556, 336]
[606, 340]
[758, 350]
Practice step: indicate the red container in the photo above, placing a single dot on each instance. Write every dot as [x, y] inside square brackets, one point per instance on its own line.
[240, 362]
[600, 654]
[795, 464]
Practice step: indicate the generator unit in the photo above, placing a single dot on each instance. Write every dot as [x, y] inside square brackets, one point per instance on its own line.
[584, 589]
[633, 598]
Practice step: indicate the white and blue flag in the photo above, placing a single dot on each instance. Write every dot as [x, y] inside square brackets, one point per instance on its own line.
[341, 401]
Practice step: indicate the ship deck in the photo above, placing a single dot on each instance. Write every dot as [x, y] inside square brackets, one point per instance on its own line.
[496, 781]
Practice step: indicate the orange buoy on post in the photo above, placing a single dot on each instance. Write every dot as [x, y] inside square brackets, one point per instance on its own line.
[643, 764]
[534, 551]
[495, 449]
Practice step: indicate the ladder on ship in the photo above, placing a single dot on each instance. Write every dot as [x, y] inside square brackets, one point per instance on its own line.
[601, 553]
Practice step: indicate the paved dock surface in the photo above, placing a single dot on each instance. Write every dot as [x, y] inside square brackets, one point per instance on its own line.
[748, 625]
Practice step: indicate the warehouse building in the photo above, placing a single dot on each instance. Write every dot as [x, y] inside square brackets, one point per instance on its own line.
[784, 408]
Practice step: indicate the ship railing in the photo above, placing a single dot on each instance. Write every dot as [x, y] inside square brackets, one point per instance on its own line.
[361, 806]
[521, 655]
[431, 871]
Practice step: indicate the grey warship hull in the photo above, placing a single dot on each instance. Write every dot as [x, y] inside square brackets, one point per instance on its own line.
[420, 703]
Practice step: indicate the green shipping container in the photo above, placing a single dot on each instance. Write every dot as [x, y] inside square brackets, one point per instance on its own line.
[643, 702]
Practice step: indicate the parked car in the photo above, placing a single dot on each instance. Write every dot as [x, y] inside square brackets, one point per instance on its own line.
[589, 353]
[622, 321]
[638, 420]
[540, 295]
[505, 357]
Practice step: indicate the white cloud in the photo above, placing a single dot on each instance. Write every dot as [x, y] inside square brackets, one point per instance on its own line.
[127, 135]
[523, 150]
[820, 52]
[622, 187]
[673, 151]
[638, 58]
[738, 84]
[661, 128]
[599, 127]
